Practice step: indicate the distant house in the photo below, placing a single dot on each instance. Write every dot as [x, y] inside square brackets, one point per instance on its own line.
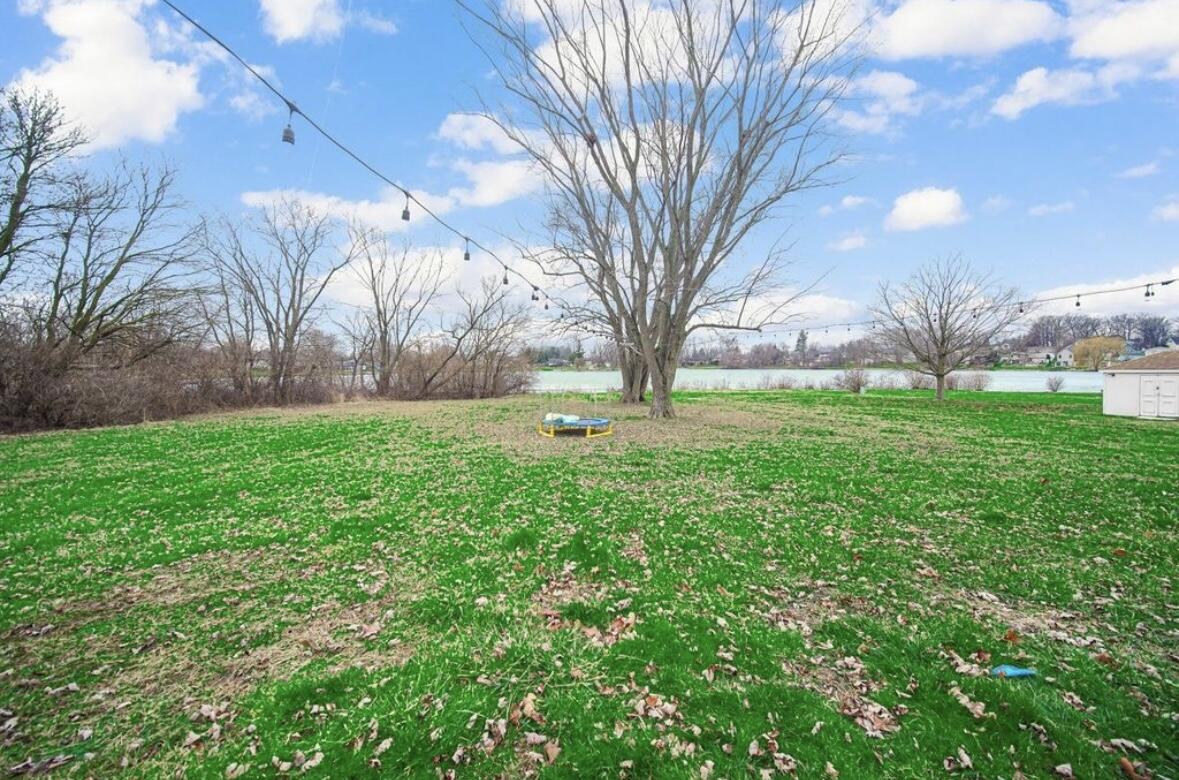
[1039, 355]
[1146, 387]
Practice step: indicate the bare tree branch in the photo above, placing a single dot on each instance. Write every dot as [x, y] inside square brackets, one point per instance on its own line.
[667, 135]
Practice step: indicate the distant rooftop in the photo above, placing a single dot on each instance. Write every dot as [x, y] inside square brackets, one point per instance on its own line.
[1159, 361]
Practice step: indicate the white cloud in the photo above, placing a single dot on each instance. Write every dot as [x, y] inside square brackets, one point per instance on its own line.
[885, 94]
[1166, 302]
[1044, 209]
[472, 131]
[317, 20]
[1143, 30]
[1068, 86]
[1135, 39]
[817, 308]
[383, 213]
[491, 184]
[248, 99]
[295, 20]
[107, 73]
[1140, 171]
[862, 122]
[375, 24]
[925, 208]
[1167, 212]
[495, 182]
[848, 243]
[962, 28]
[847, 203]
[996, 203]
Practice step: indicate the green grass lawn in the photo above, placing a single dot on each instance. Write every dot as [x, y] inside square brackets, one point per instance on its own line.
[773, 583]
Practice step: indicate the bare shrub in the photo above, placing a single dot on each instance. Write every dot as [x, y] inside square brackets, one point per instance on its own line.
[34, 394]
[776, 382]
[854, 380]
[1054, 384]
[476, 355]
[915, 380]
[976, 380]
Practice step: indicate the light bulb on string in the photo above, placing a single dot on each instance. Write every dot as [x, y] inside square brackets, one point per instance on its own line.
[466, 249]
[405, 211]
[288, 132]
[505, 276]
[1078, 304]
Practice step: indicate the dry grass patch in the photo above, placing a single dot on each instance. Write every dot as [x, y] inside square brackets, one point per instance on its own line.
[135, 675]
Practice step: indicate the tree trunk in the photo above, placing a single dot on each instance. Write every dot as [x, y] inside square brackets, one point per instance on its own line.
[661, 383]
[941, 387]
[634, 378]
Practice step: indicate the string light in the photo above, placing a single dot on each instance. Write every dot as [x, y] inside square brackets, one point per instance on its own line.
[288, 136]
[466, 249]
[1021, 306]
[288, 132]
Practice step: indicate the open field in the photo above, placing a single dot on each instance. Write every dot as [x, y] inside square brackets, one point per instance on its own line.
[774, 583]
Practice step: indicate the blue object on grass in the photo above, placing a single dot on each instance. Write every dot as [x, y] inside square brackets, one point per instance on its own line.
[1007, 670]
[553, 424]
[584, 422]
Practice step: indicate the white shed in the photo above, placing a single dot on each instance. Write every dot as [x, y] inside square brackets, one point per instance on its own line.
[1146, 387]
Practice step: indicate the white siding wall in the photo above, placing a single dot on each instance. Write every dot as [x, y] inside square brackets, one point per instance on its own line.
[1121, 395]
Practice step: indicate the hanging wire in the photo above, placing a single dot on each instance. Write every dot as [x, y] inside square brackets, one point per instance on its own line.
[1021, 305]
[294, 109]
[468, 242]
[872, 324]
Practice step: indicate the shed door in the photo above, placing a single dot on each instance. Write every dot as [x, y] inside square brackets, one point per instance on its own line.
[1168, 396]
[1149, 405]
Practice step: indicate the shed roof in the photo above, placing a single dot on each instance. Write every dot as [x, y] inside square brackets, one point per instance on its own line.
[1159, 361]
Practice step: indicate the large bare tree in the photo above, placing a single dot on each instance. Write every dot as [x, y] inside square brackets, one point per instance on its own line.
[278, 267]
[945, 314]
[232, 324]
[35, 139]
[667, 134]
[115, 286]
[401, 286]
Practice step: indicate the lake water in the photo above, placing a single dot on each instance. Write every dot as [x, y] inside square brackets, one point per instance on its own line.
[753, 378]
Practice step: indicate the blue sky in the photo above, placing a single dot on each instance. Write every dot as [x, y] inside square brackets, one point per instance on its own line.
[1038, 138]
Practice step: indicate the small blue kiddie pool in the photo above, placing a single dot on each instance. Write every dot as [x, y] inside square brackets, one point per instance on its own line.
[555, 424]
